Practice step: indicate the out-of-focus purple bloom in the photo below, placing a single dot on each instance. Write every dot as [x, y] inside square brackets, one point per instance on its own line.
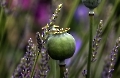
[14, 3]
[25, 4]
[81, 14]
[78, 46]
[42, 13]
[39, 8]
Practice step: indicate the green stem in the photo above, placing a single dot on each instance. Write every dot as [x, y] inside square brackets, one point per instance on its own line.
[2, 25]
[32, 72]
[54, 67]
[62, 68]
[71, 13]
[105, 34]
[91, 16]
[77, 73]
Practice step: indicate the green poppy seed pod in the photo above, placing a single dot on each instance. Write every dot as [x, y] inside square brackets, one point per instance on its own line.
[91, 4]
[61, 46]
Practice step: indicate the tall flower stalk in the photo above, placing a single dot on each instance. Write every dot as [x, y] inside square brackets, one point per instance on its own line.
[96, 41]
[24, 69]
[44, 67]
[42, 39]
[91, 4]
[91, 15]
[62, 68]
[109, 66]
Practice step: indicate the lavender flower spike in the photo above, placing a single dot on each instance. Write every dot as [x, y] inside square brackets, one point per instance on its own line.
[24, 69]
[44, 67]
[97, 40]
[54, 16]
[109, 67]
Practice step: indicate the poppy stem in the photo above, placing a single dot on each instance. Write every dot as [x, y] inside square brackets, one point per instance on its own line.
[91, 17]
[62, 66]
[54, 66]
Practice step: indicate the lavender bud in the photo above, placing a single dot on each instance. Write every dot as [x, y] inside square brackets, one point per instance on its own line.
[84, 72]
[66, 73]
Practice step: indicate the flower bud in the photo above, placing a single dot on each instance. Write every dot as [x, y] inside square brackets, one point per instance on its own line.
[91, 4]
[61, 46]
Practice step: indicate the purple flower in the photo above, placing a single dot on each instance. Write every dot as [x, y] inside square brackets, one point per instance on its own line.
[78, 46]
[25, 4]
[24, 69]
[81, 14]
[42, 13]
[39, 8]
[14, 3]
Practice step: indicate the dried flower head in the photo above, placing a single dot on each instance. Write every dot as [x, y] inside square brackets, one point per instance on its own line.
[91, 4]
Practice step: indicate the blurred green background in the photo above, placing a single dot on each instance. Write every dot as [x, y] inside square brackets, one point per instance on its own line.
[21, 19]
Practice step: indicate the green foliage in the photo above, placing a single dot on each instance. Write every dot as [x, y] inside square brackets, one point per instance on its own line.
[18, 26]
